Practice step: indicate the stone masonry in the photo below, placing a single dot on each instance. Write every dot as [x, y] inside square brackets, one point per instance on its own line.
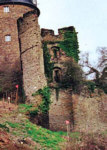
[90, 113]
[60, 110]
[24, 51]
[61, 106]
[9, 51]
[31, 54]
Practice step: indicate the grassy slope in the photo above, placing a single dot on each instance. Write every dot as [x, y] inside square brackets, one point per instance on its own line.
[20, 128]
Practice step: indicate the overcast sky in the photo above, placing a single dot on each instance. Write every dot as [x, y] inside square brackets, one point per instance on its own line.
[89, 17]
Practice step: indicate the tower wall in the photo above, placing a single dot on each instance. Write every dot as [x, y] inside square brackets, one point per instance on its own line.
[61, 106]
[10, 66]
[9, 51]
[31, 54]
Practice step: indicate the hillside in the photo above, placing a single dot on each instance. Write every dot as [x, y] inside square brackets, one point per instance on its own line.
[17, 132]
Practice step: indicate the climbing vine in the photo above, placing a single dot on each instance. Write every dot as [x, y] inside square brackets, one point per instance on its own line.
[44, 106]
[70, 45]
[47, 61]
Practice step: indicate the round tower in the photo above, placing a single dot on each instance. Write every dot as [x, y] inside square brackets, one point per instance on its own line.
[10, 12]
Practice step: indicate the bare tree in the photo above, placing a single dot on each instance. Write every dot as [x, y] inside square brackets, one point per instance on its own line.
[100, 69]
[103, 57]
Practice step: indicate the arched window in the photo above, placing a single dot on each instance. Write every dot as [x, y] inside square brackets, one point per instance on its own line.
[55, 52]
[57, 74]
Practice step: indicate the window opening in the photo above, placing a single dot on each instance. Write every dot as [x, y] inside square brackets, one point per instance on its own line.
[8, 38]
[6, 9]
[55, 53]
[57, 76]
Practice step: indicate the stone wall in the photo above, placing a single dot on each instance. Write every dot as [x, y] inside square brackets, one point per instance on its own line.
[10, 66]
[49, 35]
[60, 109]
[9, 51]
[31, 54]
[86, 113]
[61, 106]
[90, 113]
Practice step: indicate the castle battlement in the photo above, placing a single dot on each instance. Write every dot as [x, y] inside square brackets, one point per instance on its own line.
[49, 35]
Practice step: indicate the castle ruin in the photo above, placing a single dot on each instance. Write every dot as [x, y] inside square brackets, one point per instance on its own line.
[22, 49]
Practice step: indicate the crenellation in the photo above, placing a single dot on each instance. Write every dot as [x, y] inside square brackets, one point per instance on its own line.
[45, 32]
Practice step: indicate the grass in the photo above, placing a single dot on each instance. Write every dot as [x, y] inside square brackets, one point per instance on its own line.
[46, 138]
[29, 109]
[23, 128]
[23, 108]
[3, 126]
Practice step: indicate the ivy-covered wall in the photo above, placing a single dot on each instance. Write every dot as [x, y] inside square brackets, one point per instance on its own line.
[48, 65]
[70, 45]
[39, 113]
[67, 42]
[61, 54]
[44, 106]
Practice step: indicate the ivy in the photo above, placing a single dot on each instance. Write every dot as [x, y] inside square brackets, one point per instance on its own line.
[47, 61]
[70, 45]
[45, 93]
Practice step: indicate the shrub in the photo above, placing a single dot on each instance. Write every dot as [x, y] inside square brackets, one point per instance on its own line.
[91, 86]
[72, 77]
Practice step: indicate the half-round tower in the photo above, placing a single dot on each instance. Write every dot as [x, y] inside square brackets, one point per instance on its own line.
[10, 11]
[10, 48]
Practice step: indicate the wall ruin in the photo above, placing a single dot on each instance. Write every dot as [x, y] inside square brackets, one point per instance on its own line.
[60, 110]
[61, 106]
[90, 113]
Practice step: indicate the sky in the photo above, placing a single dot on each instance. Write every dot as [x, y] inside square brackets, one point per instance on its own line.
[89, 17]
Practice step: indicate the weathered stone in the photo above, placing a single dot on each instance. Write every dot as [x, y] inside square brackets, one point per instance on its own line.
[61, 106]
[9, 51]
[60, 110]
[31, 55]
[90, 114]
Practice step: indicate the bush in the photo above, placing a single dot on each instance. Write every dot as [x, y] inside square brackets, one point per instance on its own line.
[72, 77]
[91, 86]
